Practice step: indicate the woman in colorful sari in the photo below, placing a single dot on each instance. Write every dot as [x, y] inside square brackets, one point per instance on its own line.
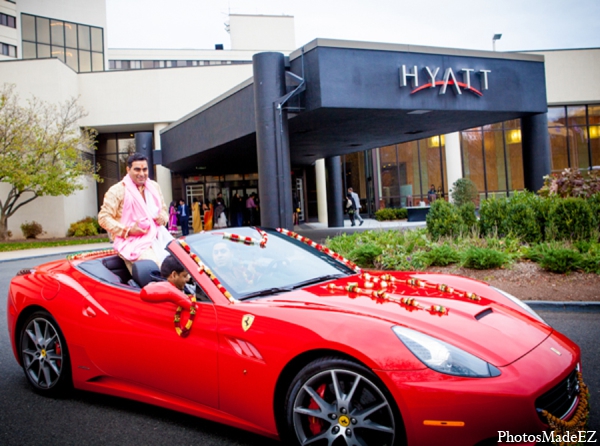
[172, 226]
[208, 215]
[196, 220]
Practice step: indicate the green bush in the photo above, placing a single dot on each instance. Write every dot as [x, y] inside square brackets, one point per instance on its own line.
[594, 203]
[522, 217]
[492, 215]
[31, 229]
[391, 214]
[85, 227]
[443, 220]
[468, 217]
[484, 258]
[570, 219]
[442, 255]
[561, 260]
[464, 191]
[365, 255]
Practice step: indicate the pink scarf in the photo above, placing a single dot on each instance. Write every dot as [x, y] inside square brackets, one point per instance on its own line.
[136, 209]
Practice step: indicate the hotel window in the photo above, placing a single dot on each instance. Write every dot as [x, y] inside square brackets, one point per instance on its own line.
[574, 136]
[8, 50]
[492, 157]
[8, 20]
[80, 46]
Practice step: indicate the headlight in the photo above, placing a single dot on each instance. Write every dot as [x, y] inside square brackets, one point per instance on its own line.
[520, 303]
[443, 357]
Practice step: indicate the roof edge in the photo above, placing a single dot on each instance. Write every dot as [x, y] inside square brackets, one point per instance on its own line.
[381, 46]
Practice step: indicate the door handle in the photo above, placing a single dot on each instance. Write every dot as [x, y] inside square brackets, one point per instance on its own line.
[89, 312]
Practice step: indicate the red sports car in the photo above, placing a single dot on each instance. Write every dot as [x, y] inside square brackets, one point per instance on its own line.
[281, 336]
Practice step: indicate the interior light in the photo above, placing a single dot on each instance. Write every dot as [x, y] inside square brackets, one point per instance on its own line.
[434, 141]
[513, 136]
[594, 132]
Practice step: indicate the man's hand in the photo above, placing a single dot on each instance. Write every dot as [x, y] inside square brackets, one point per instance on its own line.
[136, 230]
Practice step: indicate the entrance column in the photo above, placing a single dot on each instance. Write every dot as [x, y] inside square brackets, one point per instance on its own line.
[453, 162]
[272, 141]
[335, 192]
[321, 179]
[536, 150]
[163, 175]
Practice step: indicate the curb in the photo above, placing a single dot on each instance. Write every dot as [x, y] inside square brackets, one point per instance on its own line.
[568, 305]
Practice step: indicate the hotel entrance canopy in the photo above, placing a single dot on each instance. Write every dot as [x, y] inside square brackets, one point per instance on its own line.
[358, 96]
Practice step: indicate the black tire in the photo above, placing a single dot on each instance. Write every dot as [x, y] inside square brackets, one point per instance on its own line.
[361, 412]
[45, 356]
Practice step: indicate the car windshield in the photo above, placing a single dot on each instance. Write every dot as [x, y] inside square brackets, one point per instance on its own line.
[248, 271]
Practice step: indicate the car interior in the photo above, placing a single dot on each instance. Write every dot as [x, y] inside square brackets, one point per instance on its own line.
[113, 270]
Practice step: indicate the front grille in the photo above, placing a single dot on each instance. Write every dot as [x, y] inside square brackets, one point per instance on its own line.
[561, 398]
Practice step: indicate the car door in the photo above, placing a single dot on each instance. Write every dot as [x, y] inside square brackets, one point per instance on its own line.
[136, 342]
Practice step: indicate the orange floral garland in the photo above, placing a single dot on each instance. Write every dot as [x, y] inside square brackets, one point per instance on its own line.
[185, 331]
[579, 420]
[353, 287]
[385, 279]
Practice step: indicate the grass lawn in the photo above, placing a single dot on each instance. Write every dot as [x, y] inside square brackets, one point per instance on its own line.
[17, 245]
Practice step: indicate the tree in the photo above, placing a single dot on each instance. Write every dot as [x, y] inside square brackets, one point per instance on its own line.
[42, 151]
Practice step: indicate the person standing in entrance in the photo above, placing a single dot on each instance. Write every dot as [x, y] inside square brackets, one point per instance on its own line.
[184, 217]
[196, 216]
[356, 200]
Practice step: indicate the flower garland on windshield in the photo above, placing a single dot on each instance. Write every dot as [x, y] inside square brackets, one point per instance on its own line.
[202, 268]
[321, 248]
[248, 240]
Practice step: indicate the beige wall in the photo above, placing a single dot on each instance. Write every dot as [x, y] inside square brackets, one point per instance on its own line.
[148, 96]
[262, 33]
[572, 76]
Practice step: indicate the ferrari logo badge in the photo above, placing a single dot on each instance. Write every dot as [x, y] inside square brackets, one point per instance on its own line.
[247, 321]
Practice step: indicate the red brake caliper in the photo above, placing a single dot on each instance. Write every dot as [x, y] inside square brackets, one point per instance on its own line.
[316, 424]
[57, 350]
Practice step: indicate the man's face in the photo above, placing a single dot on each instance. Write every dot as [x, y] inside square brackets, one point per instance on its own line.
[221, 255]
[138, 172]
[179, 279]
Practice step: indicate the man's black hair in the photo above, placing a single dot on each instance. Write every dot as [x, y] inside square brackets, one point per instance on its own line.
[136, 157]
[169, 265]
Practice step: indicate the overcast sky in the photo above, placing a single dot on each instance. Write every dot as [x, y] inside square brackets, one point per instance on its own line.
[468, 24]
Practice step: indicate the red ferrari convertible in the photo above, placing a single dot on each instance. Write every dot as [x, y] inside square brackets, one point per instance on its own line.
[281, 336]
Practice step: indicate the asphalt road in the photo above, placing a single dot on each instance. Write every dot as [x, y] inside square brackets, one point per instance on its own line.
[90, 419]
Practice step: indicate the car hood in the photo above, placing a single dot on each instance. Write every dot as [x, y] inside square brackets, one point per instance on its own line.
[491, 327]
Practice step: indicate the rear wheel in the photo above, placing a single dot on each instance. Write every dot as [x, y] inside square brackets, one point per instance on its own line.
[338, 402]
[44, 355]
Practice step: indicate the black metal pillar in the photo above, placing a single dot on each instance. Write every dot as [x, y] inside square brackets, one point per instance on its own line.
[335, 192]
[143, 145]
[272, 141]
[536, 150]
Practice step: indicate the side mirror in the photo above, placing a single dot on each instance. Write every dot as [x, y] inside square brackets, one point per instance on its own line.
[158, 292]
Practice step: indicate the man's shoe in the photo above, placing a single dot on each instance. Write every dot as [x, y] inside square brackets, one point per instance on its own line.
[361, 222]
[352, 224]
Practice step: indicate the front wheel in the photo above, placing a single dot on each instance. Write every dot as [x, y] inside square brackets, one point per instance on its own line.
[44, 355]
[338, 402]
